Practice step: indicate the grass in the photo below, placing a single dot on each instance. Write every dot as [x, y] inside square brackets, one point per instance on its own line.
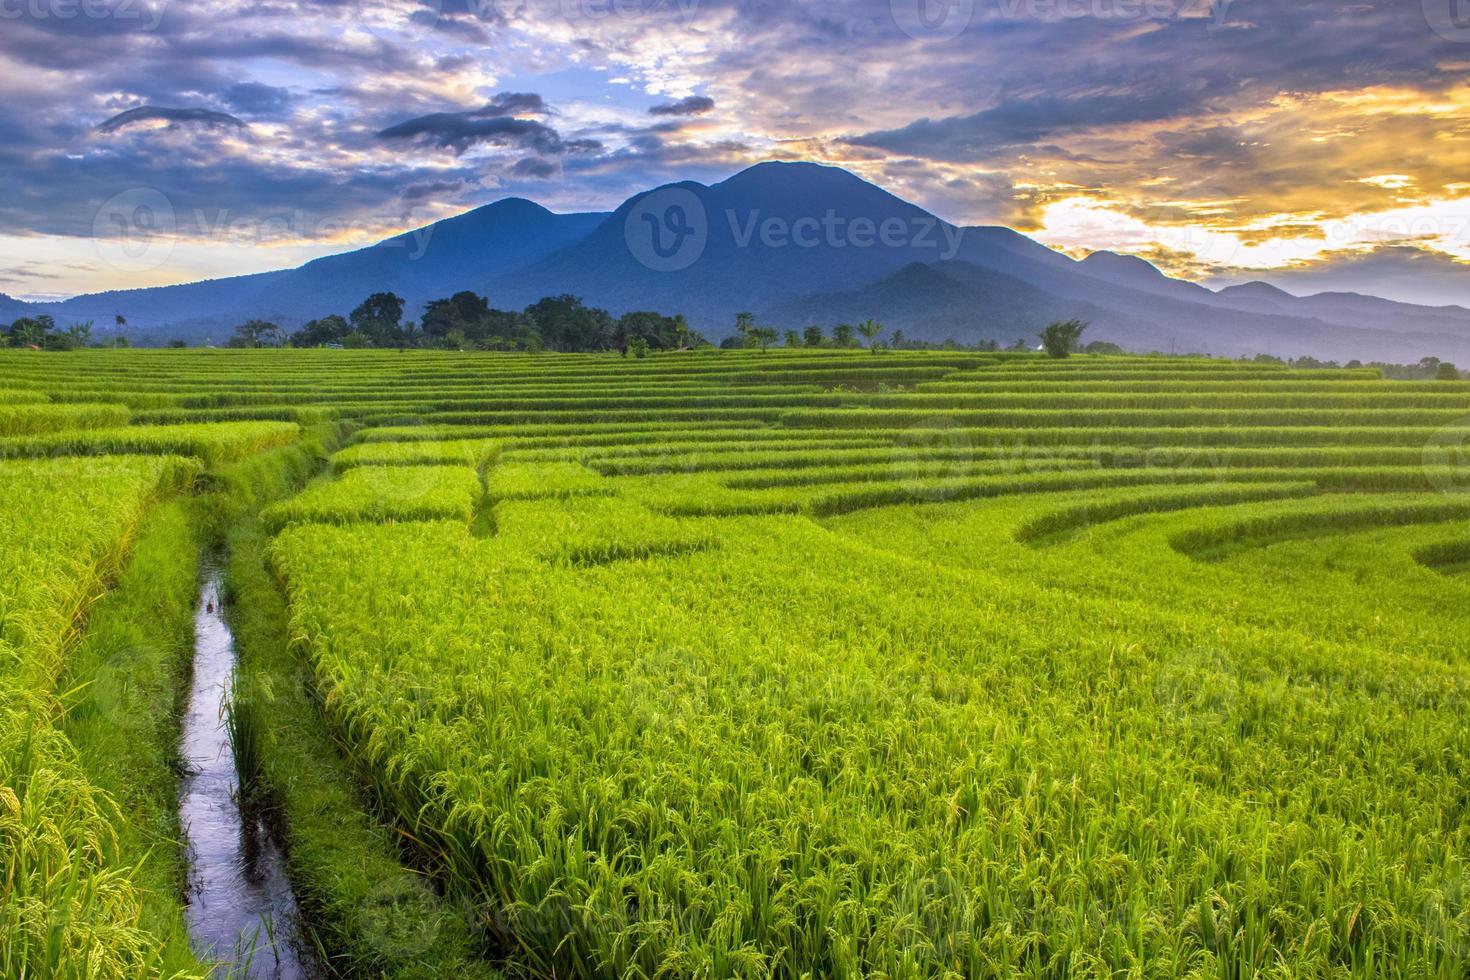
[126, 675]
[797, 664]
[74, 901]
[382, 493]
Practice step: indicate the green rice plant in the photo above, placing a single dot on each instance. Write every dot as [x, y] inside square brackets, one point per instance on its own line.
[25, 419]
[1219, 539]
[21, 396]
[383, 493]
[1048, 526]
[591, 530]
[1450, 557]
[771, 665]
[223, 442]
[868, 418]
[68, 905]
[690, 752]
[473, 453]
[67, 523]
[532, 481]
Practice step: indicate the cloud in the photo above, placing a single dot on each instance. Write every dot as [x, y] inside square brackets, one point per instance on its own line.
[1405, 273]
[497, 123]
[458, 131]
[256, 99]
[534, 168]
[694, 105]
[1023, 122]
[174, 117]
[1297, 115]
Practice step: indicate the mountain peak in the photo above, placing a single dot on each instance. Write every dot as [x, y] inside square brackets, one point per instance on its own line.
[785, 177]
[1122, 265]
[1256, 288]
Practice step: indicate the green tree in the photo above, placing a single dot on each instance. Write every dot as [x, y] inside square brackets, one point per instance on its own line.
[565, 323]
[870, 329]
[1060, 337]
[257, 333]
[378, 318]
[27, 332]
[898, 340]
[792, 339]
[763, 336]
[842, 336]
[1447, 372]
[812, 336]
[319, 333]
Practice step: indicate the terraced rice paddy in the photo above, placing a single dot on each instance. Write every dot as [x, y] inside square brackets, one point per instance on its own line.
[786, 664]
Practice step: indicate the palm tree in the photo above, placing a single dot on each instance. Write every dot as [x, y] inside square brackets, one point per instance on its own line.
[870, 329]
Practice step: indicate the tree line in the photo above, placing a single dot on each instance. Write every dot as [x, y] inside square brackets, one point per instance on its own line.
[564, 323]
[466, 320]
[41, 333]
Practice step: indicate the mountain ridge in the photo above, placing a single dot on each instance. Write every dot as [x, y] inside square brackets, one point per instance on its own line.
[788, 241]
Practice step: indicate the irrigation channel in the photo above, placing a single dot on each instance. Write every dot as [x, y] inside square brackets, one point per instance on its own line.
[241, 908]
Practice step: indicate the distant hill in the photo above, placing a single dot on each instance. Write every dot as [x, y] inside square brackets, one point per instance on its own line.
[463, 252]
[795, 243]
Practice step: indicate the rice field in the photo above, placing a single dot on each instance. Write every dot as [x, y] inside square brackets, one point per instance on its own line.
[783, 664]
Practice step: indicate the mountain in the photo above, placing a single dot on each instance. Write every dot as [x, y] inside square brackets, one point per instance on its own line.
[939, 301]
[772, 233]
[794, 243]
[463, 252]
[12, 308]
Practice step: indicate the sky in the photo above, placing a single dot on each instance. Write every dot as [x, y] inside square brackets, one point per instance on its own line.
[1316, 145]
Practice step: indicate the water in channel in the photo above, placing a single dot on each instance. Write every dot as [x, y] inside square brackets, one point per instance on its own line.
[242, 913]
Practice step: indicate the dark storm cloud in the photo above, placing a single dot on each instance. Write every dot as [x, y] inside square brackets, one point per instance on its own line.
[174, 117]
[255, 99]
[534, 168]
[495, 124]
[1021, 122]
[694, 105]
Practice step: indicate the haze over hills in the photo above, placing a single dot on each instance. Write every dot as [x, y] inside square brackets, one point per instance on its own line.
[795, 243]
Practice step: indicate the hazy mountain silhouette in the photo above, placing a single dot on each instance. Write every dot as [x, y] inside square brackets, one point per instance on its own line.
[794, 243]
